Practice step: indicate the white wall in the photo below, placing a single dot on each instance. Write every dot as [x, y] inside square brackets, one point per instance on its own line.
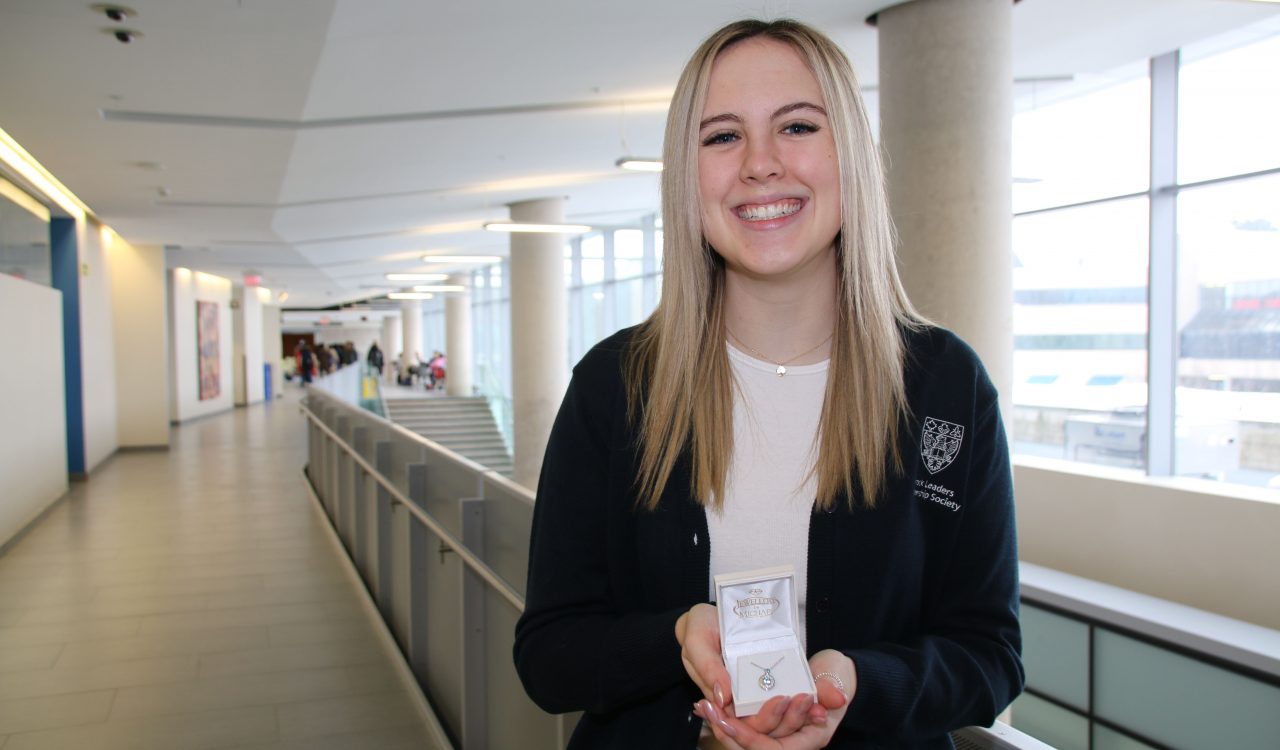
[273, 346]
[33, 430]
[185, 288]
[97, 347]
[246, 353]
[141, 344]
[1181, 540]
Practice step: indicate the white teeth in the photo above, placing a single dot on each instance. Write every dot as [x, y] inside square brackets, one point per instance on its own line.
[769, 211]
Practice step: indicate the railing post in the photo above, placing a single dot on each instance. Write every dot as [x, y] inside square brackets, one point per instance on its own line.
[331, 464]
[382, 528]
[474, 689]
[359, 505]
[342, 484]
[420, 551]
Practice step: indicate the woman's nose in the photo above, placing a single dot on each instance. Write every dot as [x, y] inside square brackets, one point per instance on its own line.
[761, 161]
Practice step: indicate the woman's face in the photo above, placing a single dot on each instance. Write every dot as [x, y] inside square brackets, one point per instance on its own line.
[768, 175]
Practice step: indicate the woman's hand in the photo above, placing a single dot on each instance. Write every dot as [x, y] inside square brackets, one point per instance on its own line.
[698, 632]
[795, 723]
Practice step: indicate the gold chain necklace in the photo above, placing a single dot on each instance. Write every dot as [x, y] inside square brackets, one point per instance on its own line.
[782, 366]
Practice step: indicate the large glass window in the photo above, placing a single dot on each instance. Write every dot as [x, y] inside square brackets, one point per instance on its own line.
[1082, 141]
[1080, 326]
[1082, 244]
[1228, 395]
[1229, 105]
[592, 258]
[628, 253]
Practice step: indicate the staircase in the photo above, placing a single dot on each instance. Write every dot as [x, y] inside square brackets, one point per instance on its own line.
[463, 425]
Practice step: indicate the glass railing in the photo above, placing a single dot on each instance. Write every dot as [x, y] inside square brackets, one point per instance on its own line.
[1109, 668]
[442, 545]
[499, 403]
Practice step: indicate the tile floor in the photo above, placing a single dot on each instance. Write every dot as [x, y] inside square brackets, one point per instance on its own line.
[190, 598]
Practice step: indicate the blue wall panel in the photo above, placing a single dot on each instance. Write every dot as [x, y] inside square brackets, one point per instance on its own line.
[66, 278]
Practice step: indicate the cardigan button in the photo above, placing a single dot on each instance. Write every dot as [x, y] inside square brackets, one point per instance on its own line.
[823, 606]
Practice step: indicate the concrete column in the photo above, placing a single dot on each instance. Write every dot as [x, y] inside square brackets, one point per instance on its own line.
[246, 345]
[273, 346]
[457, 337]
[392, 343]
[539, 333]
[946, 114]
[411, 343]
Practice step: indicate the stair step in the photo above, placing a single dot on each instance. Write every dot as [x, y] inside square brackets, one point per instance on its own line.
[463, 425]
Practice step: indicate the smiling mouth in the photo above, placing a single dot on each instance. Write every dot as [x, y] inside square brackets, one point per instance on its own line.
[769, 211]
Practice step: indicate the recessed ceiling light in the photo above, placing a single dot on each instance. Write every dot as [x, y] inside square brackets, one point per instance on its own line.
[439, 288]
[417, 276]
[516, 226]
[639, 164]
[409, 295]
[461, 258]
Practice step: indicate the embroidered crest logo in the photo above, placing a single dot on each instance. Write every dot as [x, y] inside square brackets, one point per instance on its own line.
[755, 605]
[941, 443]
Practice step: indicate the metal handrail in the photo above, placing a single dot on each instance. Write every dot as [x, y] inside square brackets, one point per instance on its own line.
[477, 565]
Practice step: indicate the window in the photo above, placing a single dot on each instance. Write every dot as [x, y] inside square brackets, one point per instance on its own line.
[593, 258]
[1080, 332]
[628, 253]
[1228, 377]
[1082, 141]
[1229, 107]
[1087, 386]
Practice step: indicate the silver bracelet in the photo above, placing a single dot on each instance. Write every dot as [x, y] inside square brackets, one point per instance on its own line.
[835, 678]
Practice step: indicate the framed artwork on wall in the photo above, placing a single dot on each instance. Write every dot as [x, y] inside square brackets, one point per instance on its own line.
[209, 349]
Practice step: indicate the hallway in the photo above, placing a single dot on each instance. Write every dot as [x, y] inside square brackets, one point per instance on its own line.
[193, 599]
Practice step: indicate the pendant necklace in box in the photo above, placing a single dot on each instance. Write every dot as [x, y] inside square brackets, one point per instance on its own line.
[767, 681]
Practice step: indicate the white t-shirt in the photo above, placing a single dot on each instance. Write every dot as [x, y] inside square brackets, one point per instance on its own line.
[770, 488]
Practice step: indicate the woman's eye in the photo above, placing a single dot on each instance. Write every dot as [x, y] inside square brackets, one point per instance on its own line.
[800, 128]
[721, 137]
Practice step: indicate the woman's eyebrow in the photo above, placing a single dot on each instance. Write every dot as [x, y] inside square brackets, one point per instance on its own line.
[782, 111]
[726, 117]
[789, 108]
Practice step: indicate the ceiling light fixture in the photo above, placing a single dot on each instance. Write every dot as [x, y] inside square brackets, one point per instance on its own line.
[409, 295]
[516, 226]
[417, 276]
[461, 258]
[639, 164]
[30, 170]
[440, 288]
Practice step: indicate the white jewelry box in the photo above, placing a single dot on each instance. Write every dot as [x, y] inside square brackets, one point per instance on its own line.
[759, 637]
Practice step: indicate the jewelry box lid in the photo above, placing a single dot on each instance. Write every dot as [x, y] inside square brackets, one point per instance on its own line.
[757, 605]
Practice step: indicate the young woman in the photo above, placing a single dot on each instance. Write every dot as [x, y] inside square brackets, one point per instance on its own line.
[783, 405]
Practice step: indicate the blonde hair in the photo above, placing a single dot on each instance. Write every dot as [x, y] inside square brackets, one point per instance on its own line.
[679, 382]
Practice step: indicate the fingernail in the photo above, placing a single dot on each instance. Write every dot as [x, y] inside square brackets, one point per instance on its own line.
[724, 726]
[697, 708]
[709, 711]
[719, 695]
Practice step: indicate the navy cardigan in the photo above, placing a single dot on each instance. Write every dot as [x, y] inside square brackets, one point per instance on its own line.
[921, 592]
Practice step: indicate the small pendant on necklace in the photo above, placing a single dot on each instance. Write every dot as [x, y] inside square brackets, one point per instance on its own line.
[781, 371]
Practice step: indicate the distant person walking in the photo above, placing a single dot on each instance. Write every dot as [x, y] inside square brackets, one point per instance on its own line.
[307, 362]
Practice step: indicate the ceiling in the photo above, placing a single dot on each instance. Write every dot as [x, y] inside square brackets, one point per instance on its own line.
[324, 143]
